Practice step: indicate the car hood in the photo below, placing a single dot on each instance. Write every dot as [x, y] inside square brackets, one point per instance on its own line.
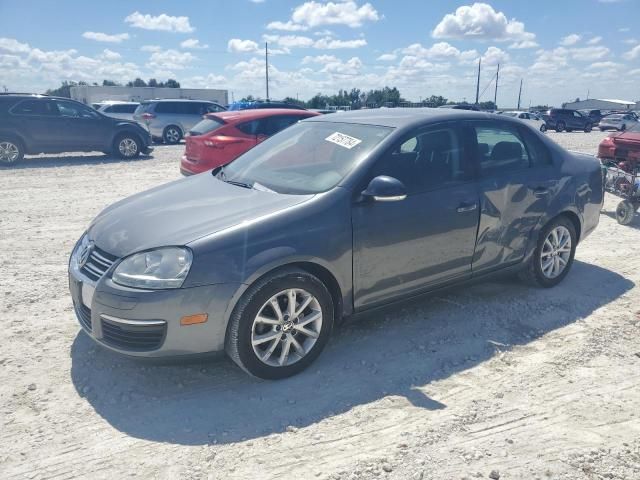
[627, 138]
[180, 212]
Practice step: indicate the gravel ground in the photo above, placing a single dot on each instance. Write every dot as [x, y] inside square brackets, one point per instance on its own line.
[495, 381]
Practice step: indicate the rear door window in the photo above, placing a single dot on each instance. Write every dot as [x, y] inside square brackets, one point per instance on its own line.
[124, 108]
[249, 128]
[207, 125]
[35, 107]
[272, 125]
[500, 149]
[170, 107]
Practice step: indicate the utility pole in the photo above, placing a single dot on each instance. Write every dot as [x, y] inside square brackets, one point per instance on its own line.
[266, 66]
[588, 92]
[478, 83]
[495, 95]
[519, 95]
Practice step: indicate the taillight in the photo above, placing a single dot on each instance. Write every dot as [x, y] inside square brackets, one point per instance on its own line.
[148, 116]
[209, 143]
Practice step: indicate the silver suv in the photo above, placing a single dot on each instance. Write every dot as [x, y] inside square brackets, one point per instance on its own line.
[169, 120]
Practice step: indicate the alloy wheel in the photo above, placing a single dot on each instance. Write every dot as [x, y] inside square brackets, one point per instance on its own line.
[128, 147]
[9, 152]
[286, 328]
[556, 252]
[172, 135]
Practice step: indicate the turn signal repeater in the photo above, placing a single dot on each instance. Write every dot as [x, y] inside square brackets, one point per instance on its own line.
[194, 319]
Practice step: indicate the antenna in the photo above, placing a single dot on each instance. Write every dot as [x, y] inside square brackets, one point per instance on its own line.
[478, 83]
[495, 95]
[266, 67]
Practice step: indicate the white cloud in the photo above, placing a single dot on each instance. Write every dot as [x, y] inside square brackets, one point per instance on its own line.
[322, 59]
[168, 60]
[569, 40]
[314, 14]
[480, 21]
[289, 41]
[588, 54]
[333, 44]
[630, 41]
[493, 56]
[151, 48]
[104, 37]
[162, 22]
[193, 44]
[256, 1]
[633, 53]
[110, 55]
[594, 41]
[604, 65]
[387, 57]
[236, 45]
[209, 81]
[14, 46]
[339, 68]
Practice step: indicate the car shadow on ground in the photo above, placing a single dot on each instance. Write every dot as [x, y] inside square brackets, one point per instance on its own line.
[72, 160]
[388, 353]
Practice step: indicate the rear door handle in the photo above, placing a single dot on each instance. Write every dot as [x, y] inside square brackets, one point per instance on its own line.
[467, 207]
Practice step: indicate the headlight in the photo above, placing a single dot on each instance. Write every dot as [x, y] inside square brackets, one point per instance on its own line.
[156, 269]
[82, 244]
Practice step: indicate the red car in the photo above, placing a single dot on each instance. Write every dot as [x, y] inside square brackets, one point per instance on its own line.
[222, 137]
[623, 147]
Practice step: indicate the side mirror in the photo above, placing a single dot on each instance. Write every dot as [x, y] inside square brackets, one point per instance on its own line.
[385, 189]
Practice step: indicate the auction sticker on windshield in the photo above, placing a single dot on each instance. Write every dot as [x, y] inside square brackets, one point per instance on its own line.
[343, 140]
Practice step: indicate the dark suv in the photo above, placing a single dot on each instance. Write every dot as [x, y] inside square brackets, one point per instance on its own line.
[32, 124]
[561, 119]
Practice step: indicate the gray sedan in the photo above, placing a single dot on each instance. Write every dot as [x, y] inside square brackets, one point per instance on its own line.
[618, 121]
[333, 216]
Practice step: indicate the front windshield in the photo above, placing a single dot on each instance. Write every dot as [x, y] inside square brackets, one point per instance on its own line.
[306, 158]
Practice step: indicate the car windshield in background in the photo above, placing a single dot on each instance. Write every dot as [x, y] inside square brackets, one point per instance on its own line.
[306, 158]
[207, 125]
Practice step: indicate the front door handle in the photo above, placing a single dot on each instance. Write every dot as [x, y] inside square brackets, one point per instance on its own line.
[467, 207]
[540, 191]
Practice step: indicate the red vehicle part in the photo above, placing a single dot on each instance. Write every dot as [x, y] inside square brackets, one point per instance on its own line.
[222, 137]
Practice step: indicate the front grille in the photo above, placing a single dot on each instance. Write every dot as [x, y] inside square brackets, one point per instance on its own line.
[133, 337]
[97, 264]
[84, 316]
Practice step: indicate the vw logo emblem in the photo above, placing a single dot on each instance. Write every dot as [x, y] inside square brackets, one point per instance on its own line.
[84, 254]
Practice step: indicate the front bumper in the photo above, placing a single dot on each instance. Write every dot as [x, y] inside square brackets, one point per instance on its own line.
[146, 323]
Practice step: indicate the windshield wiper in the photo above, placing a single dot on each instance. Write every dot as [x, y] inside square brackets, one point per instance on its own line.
[222, 176]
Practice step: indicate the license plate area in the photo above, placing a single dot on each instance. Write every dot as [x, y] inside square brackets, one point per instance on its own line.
[87, 292]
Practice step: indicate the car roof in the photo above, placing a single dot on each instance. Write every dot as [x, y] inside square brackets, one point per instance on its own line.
[253, 114]
[175, 100]
[403, 117]
[116, 102]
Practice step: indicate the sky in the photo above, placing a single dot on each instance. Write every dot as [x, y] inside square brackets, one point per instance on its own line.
[560, 49]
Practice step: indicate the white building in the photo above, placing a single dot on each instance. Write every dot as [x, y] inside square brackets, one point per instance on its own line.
[600, 104]
[92, 94]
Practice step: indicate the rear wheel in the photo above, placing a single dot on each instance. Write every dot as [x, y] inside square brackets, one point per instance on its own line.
[560, 126]
[280, 325]
[172, 135]
[588, 127]
[625, 212]
[11, 151]
[553, 256]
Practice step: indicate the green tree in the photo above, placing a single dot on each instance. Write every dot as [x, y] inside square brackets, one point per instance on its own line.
[110, 83]
[171, 83]
[435, 101]
[152, 83]
[138, 82]
[64, 90]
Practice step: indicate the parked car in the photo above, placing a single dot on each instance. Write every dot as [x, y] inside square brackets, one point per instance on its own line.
[169, 120]
[222, 137]
[32, 124]
[332, 216]
[464, 106]
[618, 121]
[594, 115]
[564, 119]
[622, 147]
[115, 109]
[262, 104]
[531, 118]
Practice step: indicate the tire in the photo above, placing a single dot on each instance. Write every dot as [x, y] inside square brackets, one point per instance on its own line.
[126, 146]
[588, 127]
[602, 129]
[560, 126]
[623, 127]
[569, 130]
[534, 274]
[625, 211]
[11, 151]
[244, 326]
[172, 135]
[543, 128]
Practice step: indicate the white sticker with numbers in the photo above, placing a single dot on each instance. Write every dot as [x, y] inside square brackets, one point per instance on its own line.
[343, 140]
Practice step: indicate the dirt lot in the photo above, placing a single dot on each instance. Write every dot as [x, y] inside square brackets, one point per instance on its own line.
[494, 381]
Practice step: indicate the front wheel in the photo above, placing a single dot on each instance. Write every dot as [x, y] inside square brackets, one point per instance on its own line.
[587, 128]
[625, 212]
[280, 325]
[126, 146]
[560, 126]
[172, 135]
[543, 128]
[11, 151]
[553, 256]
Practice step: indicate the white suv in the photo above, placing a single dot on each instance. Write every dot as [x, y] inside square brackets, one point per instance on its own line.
[115, 109]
